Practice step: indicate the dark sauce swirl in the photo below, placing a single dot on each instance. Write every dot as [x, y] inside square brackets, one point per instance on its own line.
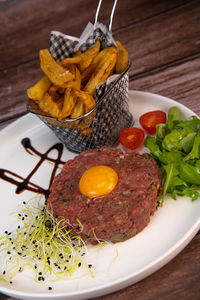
[23, 184]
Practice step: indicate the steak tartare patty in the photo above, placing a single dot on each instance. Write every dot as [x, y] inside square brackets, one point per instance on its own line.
[118, 215]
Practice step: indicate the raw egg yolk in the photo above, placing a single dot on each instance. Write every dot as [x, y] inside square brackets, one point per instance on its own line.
[98, 181]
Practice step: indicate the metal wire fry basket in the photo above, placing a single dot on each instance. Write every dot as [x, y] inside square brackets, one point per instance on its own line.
[102, 125]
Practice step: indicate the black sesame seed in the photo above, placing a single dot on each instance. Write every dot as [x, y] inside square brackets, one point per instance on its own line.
[10, 282]
[40, 273]
[19, 215]
[18, 226]
[90, 266]
[50, 288]
[6, 232]
[24, 202]
[79, 264]
[4, 272]
[19, 253]
[35, 266]
[22, 218]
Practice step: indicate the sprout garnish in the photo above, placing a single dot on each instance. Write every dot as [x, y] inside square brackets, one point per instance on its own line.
[42, 244]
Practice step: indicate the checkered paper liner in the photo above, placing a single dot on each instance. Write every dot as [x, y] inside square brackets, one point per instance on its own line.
[102, 125]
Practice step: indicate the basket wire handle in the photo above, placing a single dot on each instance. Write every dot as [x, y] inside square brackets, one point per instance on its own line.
[111, 15]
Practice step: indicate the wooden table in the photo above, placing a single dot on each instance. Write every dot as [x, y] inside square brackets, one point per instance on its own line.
[163, 40]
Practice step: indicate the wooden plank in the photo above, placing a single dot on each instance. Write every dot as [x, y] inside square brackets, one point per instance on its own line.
[162, 40]
[179, 81]
[33, 20]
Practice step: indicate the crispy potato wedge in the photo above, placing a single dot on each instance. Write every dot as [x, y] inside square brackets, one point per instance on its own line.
[84, 59]
[68, 104]
[89, 55]
[49, 106]
[37, 91]
[57, 74]
[76, 82]
[87, 99]
[103, 70]
[54, 92]
[78, 52]
[86, 74]
[122, 60]
[71, 60]
[78, 110]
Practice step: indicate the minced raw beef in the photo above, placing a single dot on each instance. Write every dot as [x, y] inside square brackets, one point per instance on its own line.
[116, 216]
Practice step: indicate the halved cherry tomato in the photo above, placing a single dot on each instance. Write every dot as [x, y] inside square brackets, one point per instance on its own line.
[131, 137]
[150, 119]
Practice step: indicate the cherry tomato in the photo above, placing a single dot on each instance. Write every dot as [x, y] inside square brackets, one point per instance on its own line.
[131, 137]
[150, 119]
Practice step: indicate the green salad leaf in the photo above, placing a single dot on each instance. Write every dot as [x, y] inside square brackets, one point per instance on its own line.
[176, 148]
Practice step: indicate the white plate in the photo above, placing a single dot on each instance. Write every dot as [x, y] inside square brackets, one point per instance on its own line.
[115, 266]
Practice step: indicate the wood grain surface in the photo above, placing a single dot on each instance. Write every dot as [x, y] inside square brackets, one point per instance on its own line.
[163, 40]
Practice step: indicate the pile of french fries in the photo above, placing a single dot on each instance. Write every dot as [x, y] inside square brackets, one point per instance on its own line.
[67, 88]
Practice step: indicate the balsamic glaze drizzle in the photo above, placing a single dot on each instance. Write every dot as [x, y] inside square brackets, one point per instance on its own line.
[23, 184]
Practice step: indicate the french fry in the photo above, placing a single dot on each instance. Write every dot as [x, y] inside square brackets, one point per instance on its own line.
[57, 74]
[87, 73]
[37, 91]
[89, 55]
[103, 70]
[76, 82]
[78, 52]
[122, 60]
[84, 59]
[78, 110]
[48, 105]
[87, 99]
[68, 104]
[54, 92]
